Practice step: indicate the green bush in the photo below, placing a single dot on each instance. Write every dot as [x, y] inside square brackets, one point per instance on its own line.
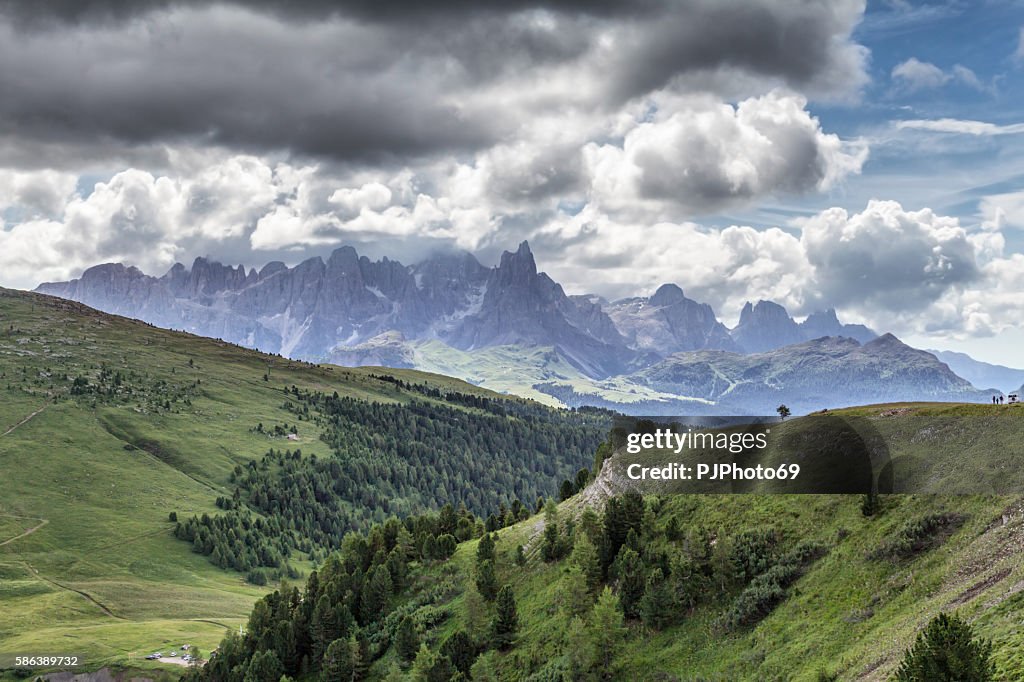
[919, 535]
[768, 589]
[753, 552]
[946, 651]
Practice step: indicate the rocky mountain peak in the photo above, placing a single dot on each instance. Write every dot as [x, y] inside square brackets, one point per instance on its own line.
[517, 268]
[765, 326]
[343, 261]
[823, 317]
[667, 294]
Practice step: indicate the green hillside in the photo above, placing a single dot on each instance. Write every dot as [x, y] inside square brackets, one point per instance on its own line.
[702, 587]
[108, 425]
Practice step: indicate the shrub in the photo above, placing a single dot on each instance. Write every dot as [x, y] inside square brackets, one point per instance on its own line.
[753, 552]
[755, 602]
[768, 589]
[919, 536]
[946, 651]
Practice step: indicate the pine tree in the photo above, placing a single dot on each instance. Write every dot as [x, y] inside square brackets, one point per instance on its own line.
[657, 607]
[407, 641]
[264, 667]
[582, 477]
[459, 648]
[549, 546]
[476, 612]
[870, 504]
[608, 630]
[580, 649]
[431, 667]
[584, 555]
[574, 593]
[340, 661]
[485, 549]
[483, 668]
[946, 652]
[487, 581]
[566, 490]
[629, 568]
[376, 594]
[506, 619]
[672, 529]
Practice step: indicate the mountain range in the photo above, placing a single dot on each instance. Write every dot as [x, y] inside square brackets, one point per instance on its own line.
[450, 313]
[1006, 379]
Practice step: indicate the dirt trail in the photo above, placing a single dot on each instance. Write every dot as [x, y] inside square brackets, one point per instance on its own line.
[86, 595]
[42, 523]
[26, 419]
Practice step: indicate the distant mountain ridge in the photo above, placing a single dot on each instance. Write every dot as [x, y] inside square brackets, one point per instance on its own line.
[983, 375]
[812, 375]
[351, 310]
[310, 309]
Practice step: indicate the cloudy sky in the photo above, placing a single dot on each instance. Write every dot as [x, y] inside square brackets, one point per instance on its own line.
[832, 153]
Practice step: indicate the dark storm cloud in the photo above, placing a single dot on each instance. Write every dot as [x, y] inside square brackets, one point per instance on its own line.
[367, 80]
[798, 42]
[76, 11]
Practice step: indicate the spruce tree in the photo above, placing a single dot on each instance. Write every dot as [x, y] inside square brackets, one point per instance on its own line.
[658, 607]
[407, 641]
[487, 581]
[264, 667]
[340, 661]
[629, 568]
[459, 648]
[485, 549]
[549, 549]
[506, 619]
[608, 630]
[584, 555]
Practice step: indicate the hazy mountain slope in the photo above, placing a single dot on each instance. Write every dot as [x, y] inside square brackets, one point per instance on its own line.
[829, 372]
[983, 375]
[514, 329]
[309, 310]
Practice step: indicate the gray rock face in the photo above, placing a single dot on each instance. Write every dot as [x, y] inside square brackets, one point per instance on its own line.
[523, 307]
[319, 308]
[827, 323]
[668, 322]
[767, 326]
